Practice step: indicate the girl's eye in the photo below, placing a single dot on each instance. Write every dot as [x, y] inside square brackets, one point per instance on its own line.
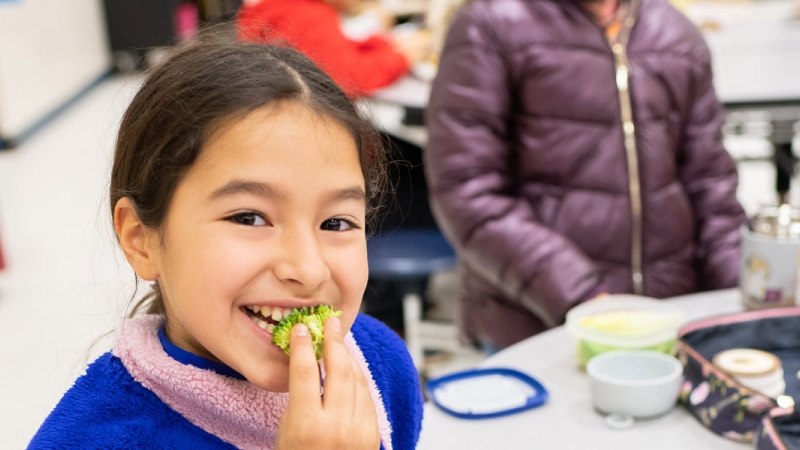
[337, 225]
[249, 219]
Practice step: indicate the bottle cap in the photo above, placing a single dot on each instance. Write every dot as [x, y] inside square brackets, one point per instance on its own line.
[747, 362]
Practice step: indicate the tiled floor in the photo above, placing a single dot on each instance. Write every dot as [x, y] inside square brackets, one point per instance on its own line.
[67, 284]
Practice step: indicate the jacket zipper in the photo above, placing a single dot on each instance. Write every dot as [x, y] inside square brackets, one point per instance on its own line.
[618, 47]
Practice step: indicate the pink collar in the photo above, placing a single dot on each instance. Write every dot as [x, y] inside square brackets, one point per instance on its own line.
[233, 410]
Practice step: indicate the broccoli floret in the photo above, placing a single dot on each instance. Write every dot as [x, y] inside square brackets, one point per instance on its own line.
[314, 318]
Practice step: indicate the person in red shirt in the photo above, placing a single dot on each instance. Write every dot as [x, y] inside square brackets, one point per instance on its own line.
[313, 27]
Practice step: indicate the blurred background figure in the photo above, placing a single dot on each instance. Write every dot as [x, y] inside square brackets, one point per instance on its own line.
[314, 27]
[575, 149]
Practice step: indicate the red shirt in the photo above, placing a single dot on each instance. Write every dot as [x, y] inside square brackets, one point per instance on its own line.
[312, 27]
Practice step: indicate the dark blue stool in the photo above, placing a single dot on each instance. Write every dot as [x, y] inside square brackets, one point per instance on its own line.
[408, 257]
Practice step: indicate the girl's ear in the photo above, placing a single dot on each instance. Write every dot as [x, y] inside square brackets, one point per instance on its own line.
[139, 243]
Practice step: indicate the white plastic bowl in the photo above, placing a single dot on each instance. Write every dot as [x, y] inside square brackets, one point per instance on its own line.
[643, 384]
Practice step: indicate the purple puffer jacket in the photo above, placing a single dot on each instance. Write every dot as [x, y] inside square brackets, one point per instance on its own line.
[528, 162]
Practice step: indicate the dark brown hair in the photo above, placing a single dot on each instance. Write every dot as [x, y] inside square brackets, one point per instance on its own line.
[200, 87]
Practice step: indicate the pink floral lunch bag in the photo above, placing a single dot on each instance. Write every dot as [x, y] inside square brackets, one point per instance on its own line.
[723, 405]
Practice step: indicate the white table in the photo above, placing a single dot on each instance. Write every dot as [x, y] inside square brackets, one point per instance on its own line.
[387, 108]
[567, 420]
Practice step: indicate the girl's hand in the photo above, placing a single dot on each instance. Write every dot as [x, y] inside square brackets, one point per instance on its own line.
[385, 17]
[414, 47]
[345, 417]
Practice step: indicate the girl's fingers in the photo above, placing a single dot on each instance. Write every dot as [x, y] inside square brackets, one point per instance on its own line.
[339, 375]
[345, 417]
[304, 385]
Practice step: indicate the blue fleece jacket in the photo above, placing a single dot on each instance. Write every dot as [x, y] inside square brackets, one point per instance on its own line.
[106, 408]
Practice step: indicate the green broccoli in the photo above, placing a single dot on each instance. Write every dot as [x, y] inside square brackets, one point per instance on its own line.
[314, 318]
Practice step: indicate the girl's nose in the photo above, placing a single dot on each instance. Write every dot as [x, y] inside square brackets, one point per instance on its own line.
[301, 261]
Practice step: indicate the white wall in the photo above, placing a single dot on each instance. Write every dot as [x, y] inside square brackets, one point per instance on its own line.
[49, 51]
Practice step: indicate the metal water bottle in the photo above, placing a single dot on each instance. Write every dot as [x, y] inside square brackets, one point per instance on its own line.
[770, 247]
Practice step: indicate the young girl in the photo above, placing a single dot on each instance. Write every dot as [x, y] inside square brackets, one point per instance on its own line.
[241, 187]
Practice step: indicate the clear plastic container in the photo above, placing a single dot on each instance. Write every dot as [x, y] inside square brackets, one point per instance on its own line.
[624, 322]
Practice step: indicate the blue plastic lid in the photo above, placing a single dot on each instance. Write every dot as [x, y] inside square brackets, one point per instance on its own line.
[486, 393]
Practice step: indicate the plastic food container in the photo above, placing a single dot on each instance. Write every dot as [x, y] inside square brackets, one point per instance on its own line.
[623, 322]
[486, 393]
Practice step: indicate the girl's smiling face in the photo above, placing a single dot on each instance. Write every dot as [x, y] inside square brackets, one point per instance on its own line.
[271, 215]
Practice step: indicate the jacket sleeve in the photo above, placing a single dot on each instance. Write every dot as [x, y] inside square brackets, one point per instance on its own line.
[395, 377]
[359, 67]
[469, 166]
[709, 176]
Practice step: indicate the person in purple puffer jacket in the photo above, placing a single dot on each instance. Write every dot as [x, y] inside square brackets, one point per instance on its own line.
[575, 149]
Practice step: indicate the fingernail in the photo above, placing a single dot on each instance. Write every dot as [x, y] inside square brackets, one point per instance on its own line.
[335, 324]
[300, 330]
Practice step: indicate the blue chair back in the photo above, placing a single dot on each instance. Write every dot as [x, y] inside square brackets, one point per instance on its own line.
[409, 253]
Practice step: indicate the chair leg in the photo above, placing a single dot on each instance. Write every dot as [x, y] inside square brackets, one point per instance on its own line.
[412, 315]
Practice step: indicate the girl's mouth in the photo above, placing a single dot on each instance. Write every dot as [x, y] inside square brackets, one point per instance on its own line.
[266, 317]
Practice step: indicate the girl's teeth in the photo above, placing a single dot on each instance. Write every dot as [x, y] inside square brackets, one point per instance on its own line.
[263, 324]
[270, 327]
[268, 312]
